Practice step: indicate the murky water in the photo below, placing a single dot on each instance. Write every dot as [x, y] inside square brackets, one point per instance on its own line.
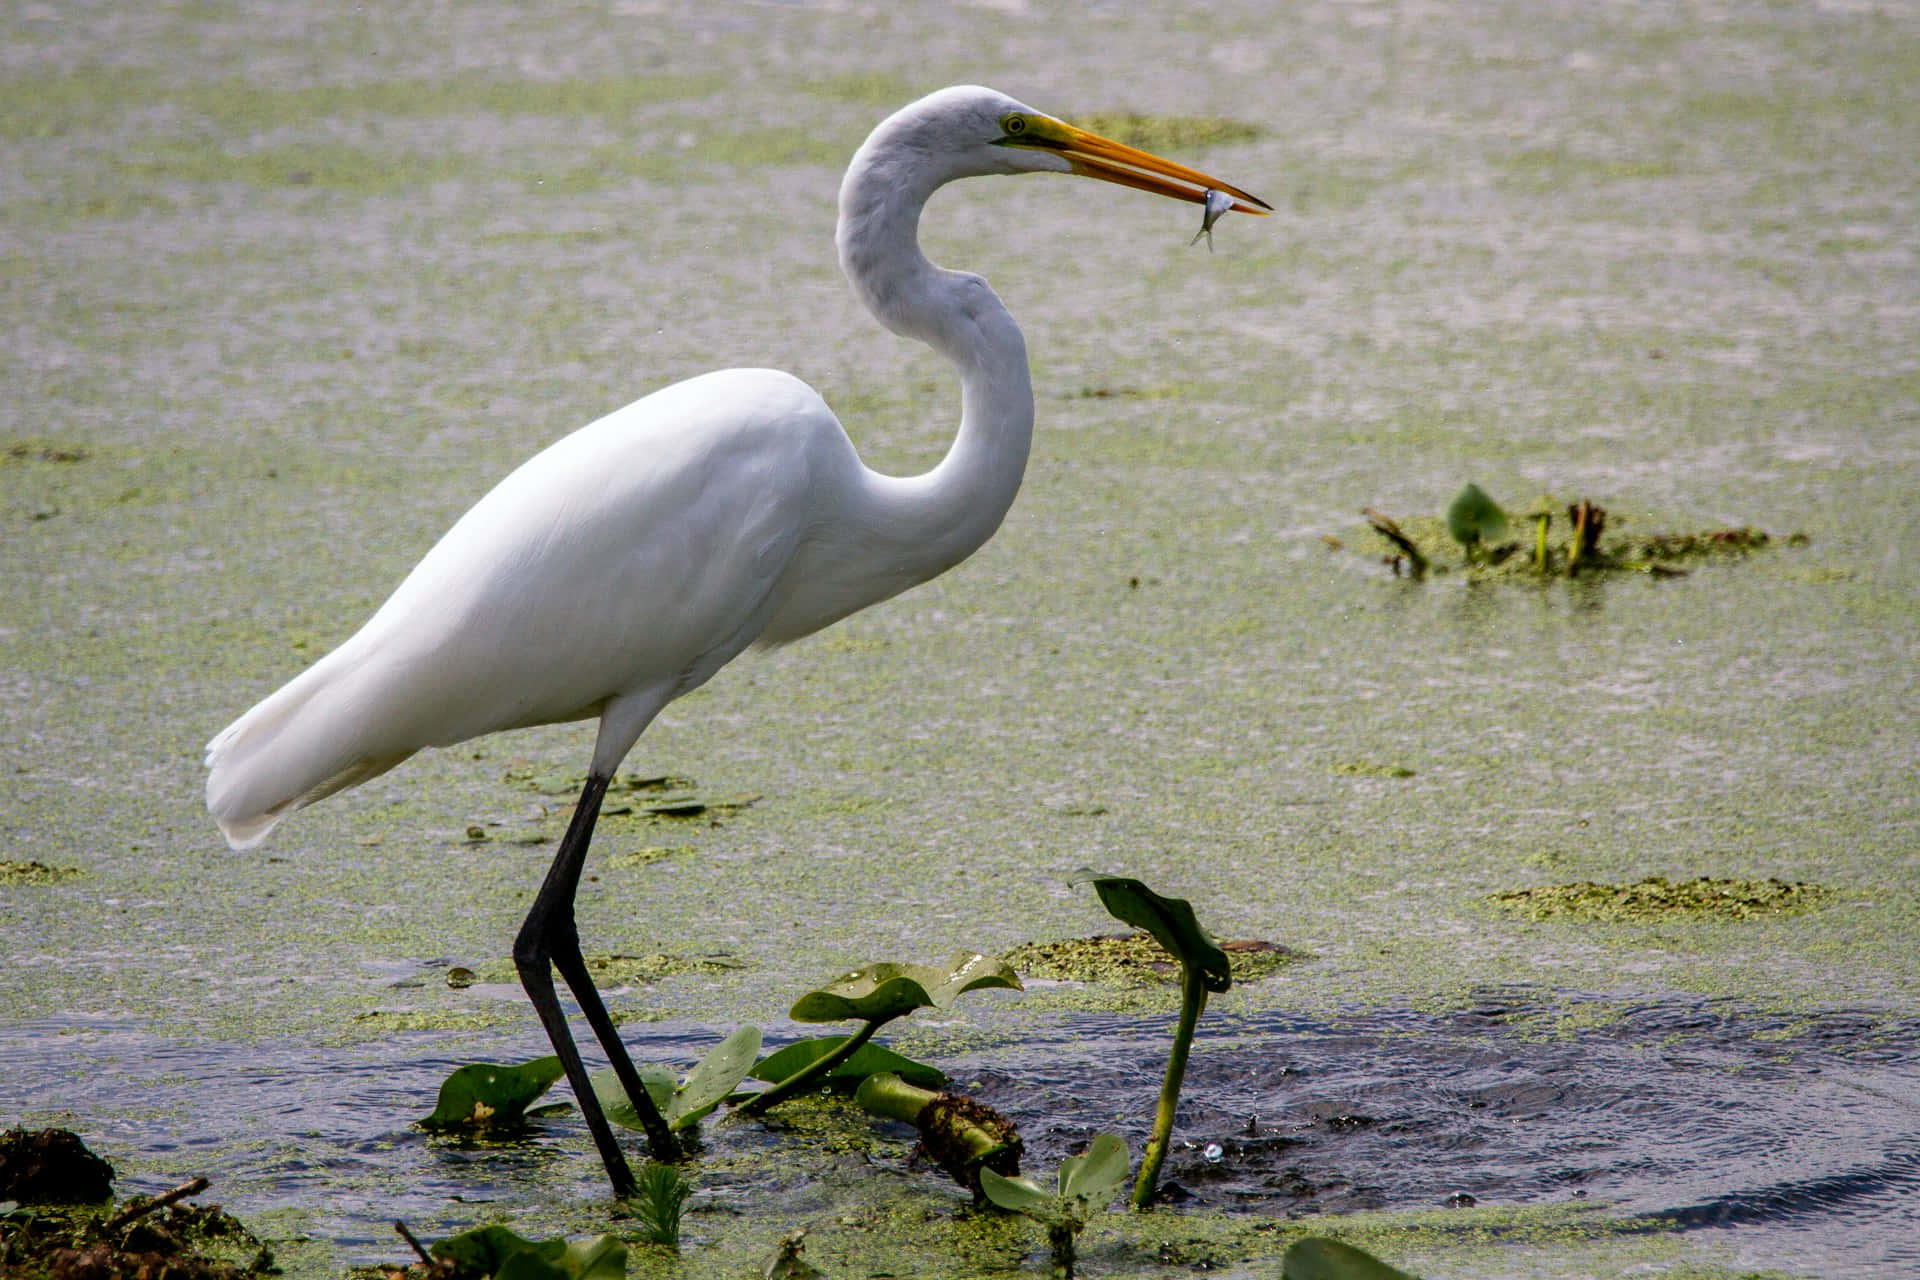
[1793, 1137]
[1784, 1142]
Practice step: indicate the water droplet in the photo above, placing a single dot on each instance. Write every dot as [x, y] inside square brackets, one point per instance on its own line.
[1214, 1153]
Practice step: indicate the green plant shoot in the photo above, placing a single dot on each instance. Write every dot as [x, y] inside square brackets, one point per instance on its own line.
[1203, 968]
[659, 1194]
[1474, 519]
[1084, 1186]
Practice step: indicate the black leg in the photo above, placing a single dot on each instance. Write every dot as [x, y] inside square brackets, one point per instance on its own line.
[548, 941]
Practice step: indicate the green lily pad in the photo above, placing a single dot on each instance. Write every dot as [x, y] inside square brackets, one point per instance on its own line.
[683, 1103]
[884, 991]
[1170, 920]
[1319, 1258]
[1473, 518]
[497, 1252]
[486, 1096]
[868, 1060]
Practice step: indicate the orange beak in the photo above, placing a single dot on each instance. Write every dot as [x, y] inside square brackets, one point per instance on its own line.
[1093, 156]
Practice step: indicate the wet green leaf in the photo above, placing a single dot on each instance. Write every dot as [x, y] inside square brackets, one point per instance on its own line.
[1319, 1258]
[497, 1252]
[1019, 1195]
[1170, 920]
[882, 992]
[484, 1095]
[715, 1076]
[1093, 1178]
[615, 1104]
[682, 1103]
[867, 1060]
[1474, 518]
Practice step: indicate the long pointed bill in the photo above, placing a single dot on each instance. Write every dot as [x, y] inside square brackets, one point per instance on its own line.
[1093, 156]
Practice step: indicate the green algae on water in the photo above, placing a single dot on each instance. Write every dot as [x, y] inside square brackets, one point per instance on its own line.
[34, 872]
[1656, 898]
[1371, 769]
[1133, 960]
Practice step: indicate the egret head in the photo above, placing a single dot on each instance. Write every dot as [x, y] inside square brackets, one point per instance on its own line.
[969, 131]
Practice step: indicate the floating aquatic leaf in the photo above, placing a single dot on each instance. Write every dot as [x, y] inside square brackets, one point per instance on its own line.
[485, 1095]
[1473, 518]
[867, 1060]
[1318, 1258]
[1170, 920]
[884, 991]
[497, 1252]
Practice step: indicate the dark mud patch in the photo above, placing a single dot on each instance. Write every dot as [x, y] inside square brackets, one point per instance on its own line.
[51, 1166]
[62, 1226]
[1133, 960]
[1658, 899]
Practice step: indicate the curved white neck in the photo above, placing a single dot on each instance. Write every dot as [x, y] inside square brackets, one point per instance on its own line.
[935, 520]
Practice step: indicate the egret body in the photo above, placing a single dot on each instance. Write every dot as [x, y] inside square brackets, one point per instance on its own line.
[624, 565]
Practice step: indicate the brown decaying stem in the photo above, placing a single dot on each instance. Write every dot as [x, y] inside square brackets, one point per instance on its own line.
[142, 1208]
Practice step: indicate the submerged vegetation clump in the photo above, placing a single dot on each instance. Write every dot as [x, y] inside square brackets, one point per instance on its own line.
[57, 1219]
[1477, 537]
[1658, 898]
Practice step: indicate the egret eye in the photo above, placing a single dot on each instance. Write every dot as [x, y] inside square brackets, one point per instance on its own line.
[1014, 124]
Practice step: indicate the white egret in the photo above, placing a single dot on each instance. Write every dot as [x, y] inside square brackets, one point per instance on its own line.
[625, 564]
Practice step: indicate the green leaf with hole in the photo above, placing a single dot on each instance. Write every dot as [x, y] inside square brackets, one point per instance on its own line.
[495, 1251]
[682, 1102]
[1473, 518]
[1319, 1258]
[484, 1095]
[1170, 920]
[882, 992]
[868, 1060]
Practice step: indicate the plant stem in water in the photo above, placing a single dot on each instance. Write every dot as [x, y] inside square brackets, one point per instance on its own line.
[1193, 999]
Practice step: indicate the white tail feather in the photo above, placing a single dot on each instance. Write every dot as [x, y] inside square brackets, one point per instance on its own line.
[294, 747]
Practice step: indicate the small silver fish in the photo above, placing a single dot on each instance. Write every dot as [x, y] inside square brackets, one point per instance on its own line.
[1218, 202]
